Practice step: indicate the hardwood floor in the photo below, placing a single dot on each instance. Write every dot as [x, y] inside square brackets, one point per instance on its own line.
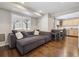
[62, 48]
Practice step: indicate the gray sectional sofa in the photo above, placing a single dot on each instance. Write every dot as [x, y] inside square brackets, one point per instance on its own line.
[29, 41]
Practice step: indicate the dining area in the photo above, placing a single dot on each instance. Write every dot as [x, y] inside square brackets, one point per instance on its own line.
[58, 34]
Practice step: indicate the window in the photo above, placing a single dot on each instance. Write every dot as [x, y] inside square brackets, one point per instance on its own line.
[21, 22]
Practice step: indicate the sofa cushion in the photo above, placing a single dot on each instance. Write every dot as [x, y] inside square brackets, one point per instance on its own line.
[30, 33]
[25, 34]
[29, 40]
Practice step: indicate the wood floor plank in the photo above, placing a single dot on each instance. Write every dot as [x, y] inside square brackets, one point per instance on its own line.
[61, 48]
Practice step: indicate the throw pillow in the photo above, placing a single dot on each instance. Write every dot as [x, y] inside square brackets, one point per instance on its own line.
[19, 35]
[36, 32]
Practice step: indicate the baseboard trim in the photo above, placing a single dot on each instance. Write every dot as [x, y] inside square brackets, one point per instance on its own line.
[71, 36]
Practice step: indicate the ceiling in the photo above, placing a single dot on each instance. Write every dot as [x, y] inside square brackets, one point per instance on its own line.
[38, 9]
[53, 7]
[68, 16]
[19, 8]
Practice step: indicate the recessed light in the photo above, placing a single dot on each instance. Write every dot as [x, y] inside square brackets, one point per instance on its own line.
[40, 11]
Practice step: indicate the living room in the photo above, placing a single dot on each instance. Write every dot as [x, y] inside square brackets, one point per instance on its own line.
[34, 29]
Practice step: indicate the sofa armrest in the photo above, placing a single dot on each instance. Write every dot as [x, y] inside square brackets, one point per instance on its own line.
[12, 40]
[46, 33]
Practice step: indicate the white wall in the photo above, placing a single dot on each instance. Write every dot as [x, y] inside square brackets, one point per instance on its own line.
[50, 23]
[46, 23]
[5, 24]
[43, 23]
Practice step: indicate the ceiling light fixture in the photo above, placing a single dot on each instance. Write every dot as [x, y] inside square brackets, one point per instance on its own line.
[20, 7]
[37, 13]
